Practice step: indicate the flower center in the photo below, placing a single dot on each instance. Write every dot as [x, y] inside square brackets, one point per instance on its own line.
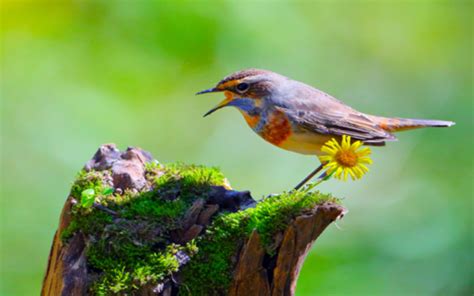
[347, 158]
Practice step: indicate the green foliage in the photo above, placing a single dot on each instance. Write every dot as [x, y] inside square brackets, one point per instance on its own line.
[210, 271]
[85, 181]
[84, 190]
[108, 191]
[87, 198]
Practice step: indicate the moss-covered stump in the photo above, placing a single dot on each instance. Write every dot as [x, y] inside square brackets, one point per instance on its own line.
[132, 226]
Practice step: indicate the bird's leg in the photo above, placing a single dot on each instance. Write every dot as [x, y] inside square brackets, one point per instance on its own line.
[309, 177]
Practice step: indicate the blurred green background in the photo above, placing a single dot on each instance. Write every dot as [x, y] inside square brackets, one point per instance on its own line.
[76, 74]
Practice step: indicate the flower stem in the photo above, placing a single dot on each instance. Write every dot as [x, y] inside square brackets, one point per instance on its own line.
[323, 177]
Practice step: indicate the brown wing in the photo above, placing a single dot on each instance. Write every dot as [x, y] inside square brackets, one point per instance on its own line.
[316, 111]
[339, 121]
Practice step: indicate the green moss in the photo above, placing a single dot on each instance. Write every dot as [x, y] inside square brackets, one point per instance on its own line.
[84, 218]
[132, 249]
[88, 180]
[148, 206]
[210, 271]
[89, 222]
[190, 179]
[143, 267]
[176, 186]
[273, 214]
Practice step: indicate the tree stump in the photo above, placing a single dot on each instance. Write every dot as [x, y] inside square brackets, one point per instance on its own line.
[132, 226]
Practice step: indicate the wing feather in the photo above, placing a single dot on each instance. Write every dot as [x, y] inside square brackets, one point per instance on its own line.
[340, 122]
[319, 112]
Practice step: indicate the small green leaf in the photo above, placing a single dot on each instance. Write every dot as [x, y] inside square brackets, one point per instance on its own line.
[108, 191]
[87, 198]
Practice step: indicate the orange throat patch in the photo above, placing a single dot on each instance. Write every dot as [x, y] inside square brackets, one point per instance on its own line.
[252, 121]
[277, 129]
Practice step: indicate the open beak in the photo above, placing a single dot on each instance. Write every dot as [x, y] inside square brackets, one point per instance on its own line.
[222, 104]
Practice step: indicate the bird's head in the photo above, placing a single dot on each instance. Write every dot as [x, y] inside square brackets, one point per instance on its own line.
[245, 89]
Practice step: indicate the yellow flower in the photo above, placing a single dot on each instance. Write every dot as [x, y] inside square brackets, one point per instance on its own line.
[345, 159]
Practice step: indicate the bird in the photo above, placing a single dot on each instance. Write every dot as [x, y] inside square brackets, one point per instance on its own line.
[300, 118]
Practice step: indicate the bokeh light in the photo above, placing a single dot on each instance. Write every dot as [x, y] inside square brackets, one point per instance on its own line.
[77, 74]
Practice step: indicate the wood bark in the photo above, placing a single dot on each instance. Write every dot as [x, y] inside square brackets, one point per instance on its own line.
[255, 273]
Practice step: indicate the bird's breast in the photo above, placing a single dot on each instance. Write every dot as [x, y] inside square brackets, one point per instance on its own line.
[276, 128]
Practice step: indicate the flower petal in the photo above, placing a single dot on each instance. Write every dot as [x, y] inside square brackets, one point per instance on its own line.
[344, 158]
[366, 160]
[364, 152]
[353, 176]
[325, 158]
[356, 145]
[346, 142]
[360, 175]
[346, 172]
[363, 167]
[338, 172]
[329, 150]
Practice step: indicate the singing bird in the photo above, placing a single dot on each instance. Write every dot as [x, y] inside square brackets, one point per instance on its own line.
[300, 118]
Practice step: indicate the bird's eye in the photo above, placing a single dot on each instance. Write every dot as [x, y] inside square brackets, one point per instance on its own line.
[241, 87]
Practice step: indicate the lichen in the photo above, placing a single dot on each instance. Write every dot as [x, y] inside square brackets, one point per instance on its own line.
[210, 271]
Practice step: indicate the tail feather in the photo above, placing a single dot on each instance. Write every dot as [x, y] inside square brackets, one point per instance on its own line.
[402, 124]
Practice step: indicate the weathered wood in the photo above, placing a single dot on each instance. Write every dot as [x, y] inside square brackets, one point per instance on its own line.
[66, 271]
[255, 272]
[252, 276]
[281, 274]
